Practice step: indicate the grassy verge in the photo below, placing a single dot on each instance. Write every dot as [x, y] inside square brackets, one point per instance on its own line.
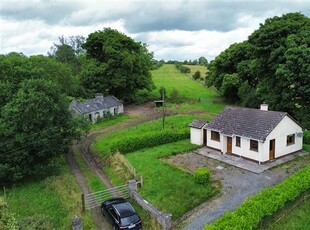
[109, 122]
[92, 180]
[56, 198]
[168, 188]
[104, 144]
[296, 218]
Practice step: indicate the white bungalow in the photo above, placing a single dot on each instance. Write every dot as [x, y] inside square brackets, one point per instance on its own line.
[255, 134]
[97, 108]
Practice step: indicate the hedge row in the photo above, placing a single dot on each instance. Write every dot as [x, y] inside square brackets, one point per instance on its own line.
[147, 140]
[264, 204]
[307, 137]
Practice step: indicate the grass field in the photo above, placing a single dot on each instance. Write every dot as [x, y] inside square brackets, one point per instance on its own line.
[203, 99]
[56, 198]
[203, 70]
[168, 188]
[109, 122]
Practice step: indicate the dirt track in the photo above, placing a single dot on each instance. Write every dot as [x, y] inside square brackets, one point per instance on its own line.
[140, 114]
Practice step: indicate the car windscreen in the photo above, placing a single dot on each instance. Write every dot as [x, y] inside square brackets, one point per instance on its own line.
[128, 220]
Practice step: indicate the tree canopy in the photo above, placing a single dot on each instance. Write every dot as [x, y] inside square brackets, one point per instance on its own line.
[116, 65]
[272, 66]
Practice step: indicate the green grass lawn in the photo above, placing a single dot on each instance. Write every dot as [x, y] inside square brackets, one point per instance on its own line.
[206, 99]
[57, 198]
[168, 188]
[297, 218]
[306, 147]
[103, 144]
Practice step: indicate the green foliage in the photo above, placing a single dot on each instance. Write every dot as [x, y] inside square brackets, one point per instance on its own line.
[175, 97]
[202, 175]
[182, 68]
[37, 222]
[7, 218]
[271, 66]
[265, 203]
[35, 126]
[136, 142]
[116, 65]
[203, 61]
[197, 75]
[306, 139]
[57, 198]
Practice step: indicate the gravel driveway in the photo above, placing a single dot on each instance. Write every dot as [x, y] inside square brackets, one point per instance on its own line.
[237, 184]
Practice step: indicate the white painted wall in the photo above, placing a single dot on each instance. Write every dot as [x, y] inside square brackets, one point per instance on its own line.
[196, 136]
[244, 149]
[286, 127]
[214, 144]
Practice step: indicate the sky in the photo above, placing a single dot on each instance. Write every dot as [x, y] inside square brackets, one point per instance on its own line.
[172, 29]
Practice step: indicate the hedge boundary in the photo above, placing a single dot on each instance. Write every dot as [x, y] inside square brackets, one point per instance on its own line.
[267, 202]
[148, 140]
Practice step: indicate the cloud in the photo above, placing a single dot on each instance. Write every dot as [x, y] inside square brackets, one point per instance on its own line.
[174, 29]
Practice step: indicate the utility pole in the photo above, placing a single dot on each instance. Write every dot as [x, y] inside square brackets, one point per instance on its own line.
[163, 97]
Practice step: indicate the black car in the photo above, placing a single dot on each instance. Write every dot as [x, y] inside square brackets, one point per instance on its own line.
[121, 214]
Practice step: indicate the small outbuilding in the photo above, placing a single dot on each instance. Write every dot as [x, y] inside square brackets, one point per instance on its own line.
[256, 134]
[97, 108]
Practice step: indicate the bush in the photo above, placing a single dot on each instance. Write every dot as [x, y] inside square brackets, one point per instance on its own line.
[202, 175]
[196, 75]
[37, 221]
[175, 97]
[7, 219]
[182, 69]
[307, 137]
[265, 203]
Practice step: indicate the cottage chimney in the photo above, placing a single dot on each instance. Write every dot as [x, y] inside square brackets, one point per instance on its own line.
[99, 96]
[264, 107]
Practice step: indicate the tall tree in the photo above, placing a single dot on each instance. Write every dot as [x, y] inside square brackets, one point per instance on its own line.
[35, 126]
[117, 64]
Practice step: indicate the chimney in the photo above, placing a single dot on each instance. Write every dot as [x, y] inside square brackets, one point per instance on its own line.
[264, 107]
[99, 96]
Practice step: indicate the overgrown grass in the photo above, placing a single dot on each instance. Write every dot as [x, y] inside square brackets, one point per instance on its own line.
[93, 182]
[296, 218]
[203, 70]
[103, 145]
[58, 198]
[109, 122]
[202, 98]
[168, 188]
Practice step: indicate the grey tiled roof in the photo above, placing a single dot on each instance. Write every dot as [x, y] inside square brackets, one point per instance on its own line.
[95, 104]
[252, 123]
[197, 124]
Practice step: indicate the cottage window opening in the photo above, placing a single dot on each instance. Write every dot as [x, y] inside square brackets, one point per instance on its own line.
[215, 136]
[238, 142]
[290, 139]
[254, 145]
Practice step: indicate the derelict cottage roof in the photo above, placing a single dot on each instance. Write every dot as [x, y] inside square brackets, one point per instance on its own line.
[95, 104]
[252, 123]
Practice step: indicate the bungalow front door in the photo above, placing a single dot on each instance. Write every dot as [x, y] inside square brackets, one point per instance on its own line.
[271, 149]
[229, 145]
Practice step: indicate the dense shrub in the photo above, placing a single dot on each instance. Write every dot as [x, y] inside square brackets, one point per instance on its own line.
[175, 97]
[7, 219]
[265, 203]
[37, 221]
[307, 137]
[202, 175]
[182, 68]
[197, 75]
[147, 140]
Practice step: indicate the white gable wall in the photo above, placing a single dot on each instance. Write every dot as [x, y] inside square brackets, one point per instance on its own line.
[286, 127]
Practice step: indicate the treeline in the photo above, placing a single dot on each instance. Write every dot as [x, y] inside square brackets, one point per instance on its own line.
[35, 92]
[272, 66]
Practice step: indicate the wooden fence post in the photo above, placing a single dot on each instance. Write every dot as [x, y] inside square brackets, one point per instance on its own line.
[83, 203]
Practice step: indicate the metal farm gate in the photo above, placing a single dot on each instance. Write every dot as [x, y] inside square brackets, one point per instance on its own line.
[93, 200]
